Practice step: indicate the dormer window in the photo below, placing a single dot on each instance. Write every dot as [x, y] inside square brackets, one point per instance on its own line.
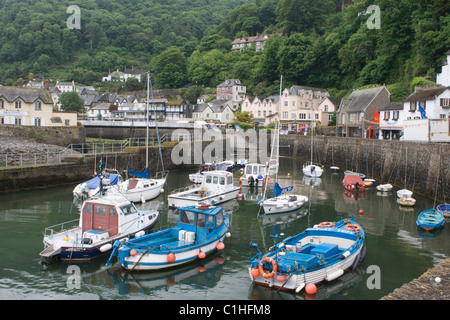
[37, 105]
[18, 104]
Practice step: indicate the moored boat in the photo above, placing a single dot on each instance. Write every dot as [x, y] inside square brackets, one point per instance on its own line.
[386, 187]
[102, 221]
[406, 201]
[430, 219]
[255, 175]
[282, 202]
[320, 253]
[404, 193]
[444, 208]
[217, 187]
[353, 183]
[200, 231]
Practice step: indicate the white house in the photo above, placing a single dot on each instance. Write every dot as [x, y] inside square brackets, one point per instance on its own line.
[66, 86]
[443, 78]
[427, 113]
[261, 108]
[125, 75]
[214, 111]
[391, 121]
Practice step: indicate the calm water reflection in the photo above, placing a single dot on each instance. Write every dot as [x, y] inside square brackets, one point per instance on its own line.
[394, 244]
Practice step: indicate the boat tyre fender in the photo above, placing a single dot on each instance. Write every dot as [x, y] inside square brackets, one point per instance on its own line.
[353, 227]
[261, 267]
[326, 225]
[356, 261]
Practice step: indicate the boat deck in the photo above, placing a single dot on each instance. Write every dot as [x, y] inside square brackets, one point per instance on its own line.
[310, 256]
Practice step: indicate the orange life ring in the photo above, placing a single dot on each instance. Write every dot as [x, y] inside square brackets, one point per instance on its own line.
[274, 267]
[326, 225]
[203, 205]
[353, 227]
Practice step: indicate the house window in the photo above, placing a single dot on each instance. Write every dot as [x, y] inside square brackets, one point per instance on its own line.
[442, 116]
[413, 106]
[395, 115]
[2, 104]
[293, 116]
[18, 104]
[330, 117]
[18, 121]
[302, 116]
[386, 115]
[293, 103]
[445, 102]
[423, 104]
[325, 108]
[316, 116]
[37, 122]
[306, 105]
[285, 115]
[67, 123]
[285, 103]
[352, 117]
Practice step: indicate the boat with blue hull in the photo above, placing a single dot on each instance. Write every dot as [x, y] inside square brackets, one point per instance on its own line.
[102, 221]
[444, 208]
[430, 219]
[321, 253]
[200, 231]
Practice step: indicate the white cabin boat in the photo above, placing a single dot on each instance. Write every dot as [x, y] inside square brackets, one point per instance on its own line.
[255, 175]
[217, 187]
[102, 221]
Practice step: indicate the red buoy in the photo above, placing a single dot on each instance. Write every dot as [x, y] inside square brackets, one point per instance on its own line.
[171, 258]
[220, 246]
[311, 288]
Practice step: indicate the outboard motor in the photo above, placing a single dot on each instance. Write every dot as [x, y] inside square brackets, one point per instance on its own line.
[251, 181]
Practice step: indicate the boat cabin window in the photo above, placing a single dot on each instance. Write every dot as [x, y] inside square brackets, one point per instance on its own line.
[230, 179]
[128, 209]
[208, 179]
[222, 181]
[100, 211]
[219, 219]
[187, 217]
[215, 178]
[112, 212]
[255, 170]
[248, 170]
[88, 208]
[201, 220]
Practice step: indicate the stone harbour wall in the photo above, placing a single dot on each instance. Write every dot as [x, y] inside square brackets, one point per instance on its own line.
[421, 167]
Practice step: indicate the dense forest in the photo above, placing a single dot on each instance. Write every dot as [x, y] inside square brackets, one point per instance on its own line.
[324, 43]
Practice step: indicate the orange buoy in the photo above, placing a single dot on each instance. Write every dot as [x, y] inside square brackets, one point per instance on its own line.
[220, 246]
[171, 258]
[255, 272]
[361, 211]
[281, 277]
[311, 288]
[133, 252]
[201, 255]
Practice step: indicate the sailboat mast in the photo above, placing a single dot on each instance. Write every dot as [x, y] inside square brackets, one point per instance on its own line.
[147, 115]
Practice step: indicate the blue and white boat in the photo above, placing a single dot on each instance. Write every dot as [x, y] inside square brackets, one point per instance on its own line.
[444, 208]
[430, 219]
[102, 221]
[97, 185]
[200, 231]
[321, 253]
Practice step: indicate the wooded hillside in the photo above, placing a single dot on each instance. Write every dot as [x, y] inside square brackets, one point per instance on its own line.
[321, 44]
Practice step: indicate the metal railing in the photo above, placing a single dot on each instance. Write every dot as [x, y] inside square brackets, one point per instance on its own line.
[27, 159]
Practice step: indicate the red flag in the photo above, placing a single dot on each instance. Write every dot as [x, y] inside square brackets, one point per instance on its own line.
[376, 116]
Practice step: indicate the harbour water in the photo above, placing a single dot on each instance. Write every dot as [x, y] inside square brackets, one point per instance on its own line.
[397, 251]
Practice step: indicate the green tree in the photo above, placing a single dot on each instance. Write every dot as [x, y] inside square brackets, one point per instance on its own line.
[170, 68]
[71, 101]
